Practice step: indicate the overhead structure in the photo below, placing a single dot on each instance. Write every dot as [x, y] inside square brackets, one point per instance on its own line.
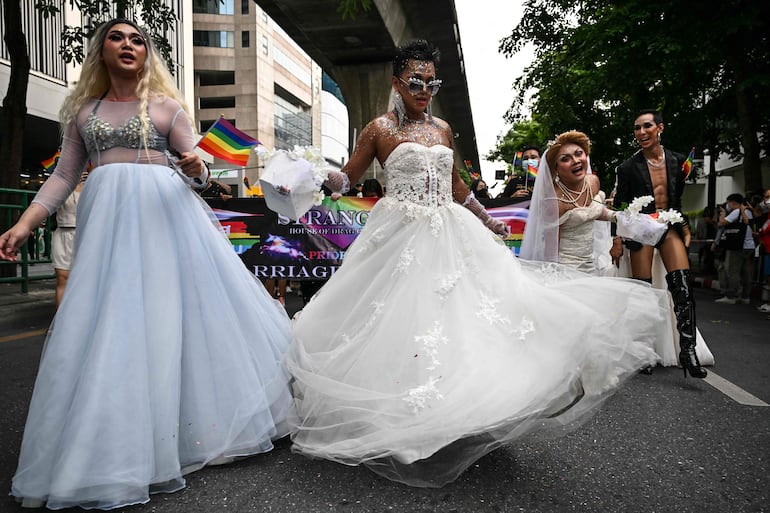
[357, 53]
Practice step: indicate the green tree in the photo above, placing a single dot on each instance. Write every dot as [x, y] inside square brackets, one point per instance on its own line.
[705, 66]
[520, 135]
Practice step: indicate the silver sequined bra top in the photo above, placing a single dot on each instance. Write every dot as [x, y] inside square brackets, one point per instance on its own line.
[99, 135]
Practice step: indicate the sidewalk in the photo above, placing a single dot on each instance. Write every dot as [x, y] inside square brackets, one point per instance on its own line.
[39, 290]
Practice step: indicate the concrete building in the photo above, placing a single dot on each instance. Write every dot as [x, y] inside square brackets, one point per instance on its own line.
[249, 71]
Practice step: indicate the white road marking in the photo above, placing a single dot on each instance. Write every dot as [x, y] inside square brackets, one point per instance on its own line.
[732, 390]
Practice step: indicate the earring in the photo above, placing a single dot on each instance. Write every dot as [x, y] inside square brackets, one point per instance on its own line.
[399, 107]
[430, 110]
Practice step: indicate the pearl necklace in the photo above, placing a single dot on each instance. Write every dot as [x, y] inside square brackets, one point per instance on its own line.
[572, 197]
[662, 159]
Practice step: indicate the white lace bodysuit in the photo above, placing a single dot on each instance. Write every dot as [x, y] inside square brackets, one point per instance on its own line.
[108, 132]
[576, 235]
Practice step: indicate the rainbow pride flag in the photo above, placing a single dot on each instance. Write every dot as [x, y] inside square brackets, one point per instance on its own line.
[517, 159]
[50, 163]
[687, 166]
[532, 171]
[228, 143]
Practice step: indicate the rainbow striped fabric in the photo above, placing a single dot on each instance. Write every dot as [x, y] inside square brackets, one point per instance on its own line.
[687, 166]
[228, 143]
[532, 170]
[51, 161]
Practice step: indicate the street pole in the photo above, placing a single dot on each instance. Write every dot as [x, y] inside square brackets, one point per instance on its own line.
[711, 188]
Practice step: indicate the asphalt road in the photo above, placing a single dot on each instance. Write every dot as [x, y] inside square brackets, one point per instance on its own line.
[662, 443]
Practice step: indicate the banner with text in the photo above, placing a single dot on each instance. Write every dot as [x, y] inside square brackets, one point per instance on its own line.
[313, 247]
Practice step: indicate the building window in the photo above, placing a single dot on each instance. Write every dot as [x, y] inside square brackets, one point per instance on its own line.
[293, 124]
[43, 36]
[245, 39]
[222, 102]
[264, 45]
[214, 38]
[214, 7]
[296, 69]
[215, 78]
[245, 6]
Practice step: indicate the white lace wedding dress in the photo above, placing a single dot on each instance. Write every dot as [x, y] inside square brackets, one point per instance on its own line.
[577, 231]
[432, 345]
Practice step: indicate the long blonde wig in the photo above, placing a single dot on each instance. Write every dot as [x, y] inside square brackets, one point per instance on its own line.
[154, 79]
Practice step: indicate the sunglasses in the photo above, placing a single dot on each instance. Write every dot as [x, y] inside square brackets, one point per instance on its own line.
[416, 86]
[646, 125]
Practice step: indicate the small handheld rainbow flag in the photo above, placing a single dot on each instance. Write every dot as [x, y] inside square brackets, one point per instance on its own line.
[50, 163]
[228, 143]
[517, 159]
[687, 166]
[531, 170]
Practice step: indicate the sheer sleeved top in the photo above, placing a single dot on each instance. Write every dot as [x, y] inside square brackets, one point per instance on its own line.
[108, 132]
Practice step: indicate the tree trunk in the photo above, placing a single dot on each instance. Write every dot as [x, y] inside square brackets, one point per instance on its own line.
[14, 108]
[752, 165]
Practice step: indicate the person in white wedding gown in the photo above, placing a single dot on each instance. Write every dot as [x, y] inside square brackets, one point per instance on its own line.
[166, 353]
[447, 348]
[568, 223]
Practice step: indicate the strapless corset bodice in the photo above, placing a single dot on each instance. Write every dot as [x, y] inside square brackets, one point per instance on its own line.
[576, 235]
[420, 174]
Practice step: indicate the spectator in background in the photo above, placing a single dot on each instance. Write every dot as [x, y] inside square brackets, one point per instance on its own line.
[217, 190]
[706, 232]
[517, 184]
[372, 188]
[356, 190]
[63, 239]
[479, 189]
[738, 262]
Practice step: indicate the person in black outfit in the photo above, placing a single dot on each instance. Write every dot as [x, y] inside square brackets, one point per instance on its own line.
[653, 171]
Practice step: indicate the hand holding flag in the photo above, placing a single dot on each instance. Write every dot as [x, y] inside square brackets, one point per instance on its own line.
[228, 143]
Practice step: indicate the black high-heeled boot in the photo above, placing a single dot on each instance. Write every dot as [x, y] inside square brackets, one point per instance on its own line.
[684, 310]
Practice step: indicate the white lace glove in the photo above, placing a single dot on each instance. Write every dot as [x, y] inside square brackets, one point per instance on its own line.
[337, 182]
[497, 226]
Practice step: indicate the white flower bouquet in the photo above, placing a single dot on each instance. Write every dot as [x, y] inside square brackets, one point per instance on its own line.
[291, 181]
[647, 229]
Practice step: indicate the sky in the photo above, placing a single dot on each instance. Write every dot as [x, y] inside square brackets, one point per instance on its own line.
[490, 74]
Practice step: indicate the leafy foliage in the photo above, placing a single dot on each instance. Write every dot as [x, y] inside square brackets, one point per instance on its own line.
[706, 66]
[157, 17]
[349, 8]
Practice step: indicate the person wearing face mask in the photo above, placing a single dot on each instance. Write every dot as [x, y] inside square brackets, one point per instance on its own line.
[658, 172]
[479, 189]
[517, 185]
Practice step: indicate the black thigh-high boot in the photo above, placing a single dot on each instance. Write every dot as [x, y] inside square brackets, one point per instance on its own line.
[684, 309]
